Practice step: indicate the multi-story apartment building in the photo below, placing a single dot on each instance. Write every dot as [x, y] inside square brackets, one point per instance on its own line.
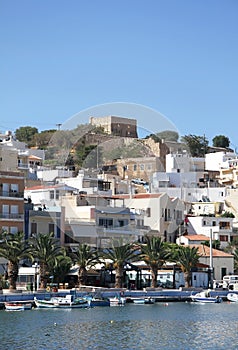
[221, 228]
[11, 201]
[163, 215]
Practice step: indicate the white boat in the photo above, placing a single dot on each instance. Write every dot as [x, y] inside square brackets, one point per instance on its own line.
[69, 301]
[117, 301]
[17, 306]
[232, 297]
[143, 300]
[205, 297]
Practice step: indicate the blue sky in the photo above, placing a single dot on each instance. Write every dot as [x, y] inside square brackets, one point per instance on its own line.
[176, 57]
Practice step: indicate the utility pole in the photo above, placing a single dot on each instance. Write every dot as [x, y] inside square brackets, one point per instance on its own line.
[211, 262]
[58, 126]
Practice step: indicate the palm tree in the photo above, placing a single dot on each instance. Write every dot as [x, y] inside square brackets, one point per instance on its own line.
[13, 248]
[46, 249]
[120, 254]
[154, 253]
[85, 257]
[61, 268]
[187, 257]
[235, 253]
[232, 246]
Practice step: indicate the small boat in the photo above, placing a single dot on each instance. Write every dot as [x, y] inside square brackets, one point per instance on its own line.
[97, 299]
[94, 301]
[145, 300]
[232, 297]
[205, 297]
[117, 300]
[17, 306]
[69, 301]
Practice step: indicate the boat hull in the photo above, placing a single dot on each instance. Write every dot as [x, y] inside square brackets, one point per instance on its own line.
[17, 306]
[62, 303]
[232, 297]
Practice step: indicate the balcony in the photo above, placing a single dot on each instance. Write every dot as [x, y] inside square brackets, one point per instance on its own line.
[4, 216]
[12, 194]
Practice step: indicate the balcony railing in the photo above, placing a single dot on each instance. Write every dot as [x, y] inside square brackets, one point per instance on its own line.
[12, 216]
[12, 194]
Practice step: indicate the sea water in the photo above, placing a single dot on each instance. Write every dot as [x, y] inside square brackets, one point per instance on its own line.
[167, 326]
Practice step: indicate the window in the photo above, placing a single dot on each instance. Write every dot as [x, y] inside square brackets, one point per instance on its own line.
[52, 195]
[105, 222]
[57, 194]
[5, 211]
[134, 167]
[5, 189]
[13, 229]
[14, 188]
[148, 212]
[224, 225]
[14, 211]
[122, 223]
[142, 167]
[223, 272]
[223, 238]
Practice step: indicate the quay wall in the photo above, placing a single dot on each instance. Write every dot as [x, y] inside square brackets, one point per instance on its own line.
[159, 295]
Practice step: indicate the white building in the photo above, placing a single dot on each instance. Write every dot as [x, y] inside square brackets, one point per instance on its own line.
[163, 214]
[220, 160]
[221, 228]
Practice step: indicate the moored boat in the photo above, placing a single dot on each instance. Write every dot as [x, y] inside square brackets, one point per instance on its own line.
[17, 306]
[205, 297]
[69, 301]
[232, 297]
[143, 300]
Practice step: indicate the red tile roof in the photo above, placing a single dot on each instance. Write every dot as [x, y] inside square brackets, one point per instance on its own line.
[204, 251]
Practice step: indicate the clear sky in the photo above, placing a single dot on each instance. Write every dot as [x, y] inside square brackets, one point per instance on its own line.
[177, 57]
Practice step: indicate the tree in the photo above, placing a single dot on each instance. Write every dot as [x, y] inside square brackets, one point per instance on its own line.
[120, 254]
[168, 135]
[26, 134]
[235, 253]
[216, 244]
[154, 253]
[197, 145]
[46, 249]
[85, 257]
[221, 141]
[42, 139]
[13, 248]
[187, 257]
[61, 268]
[232, 246]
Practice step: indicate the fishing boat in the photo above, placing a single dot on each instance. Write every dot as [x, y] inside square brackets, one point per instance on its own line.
[205, 297]
[69, 301]
[17, 306]
[232, 297]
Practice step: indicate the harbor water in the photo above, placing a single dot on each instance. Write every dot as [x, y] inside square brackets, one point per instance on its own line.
[179, 325]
